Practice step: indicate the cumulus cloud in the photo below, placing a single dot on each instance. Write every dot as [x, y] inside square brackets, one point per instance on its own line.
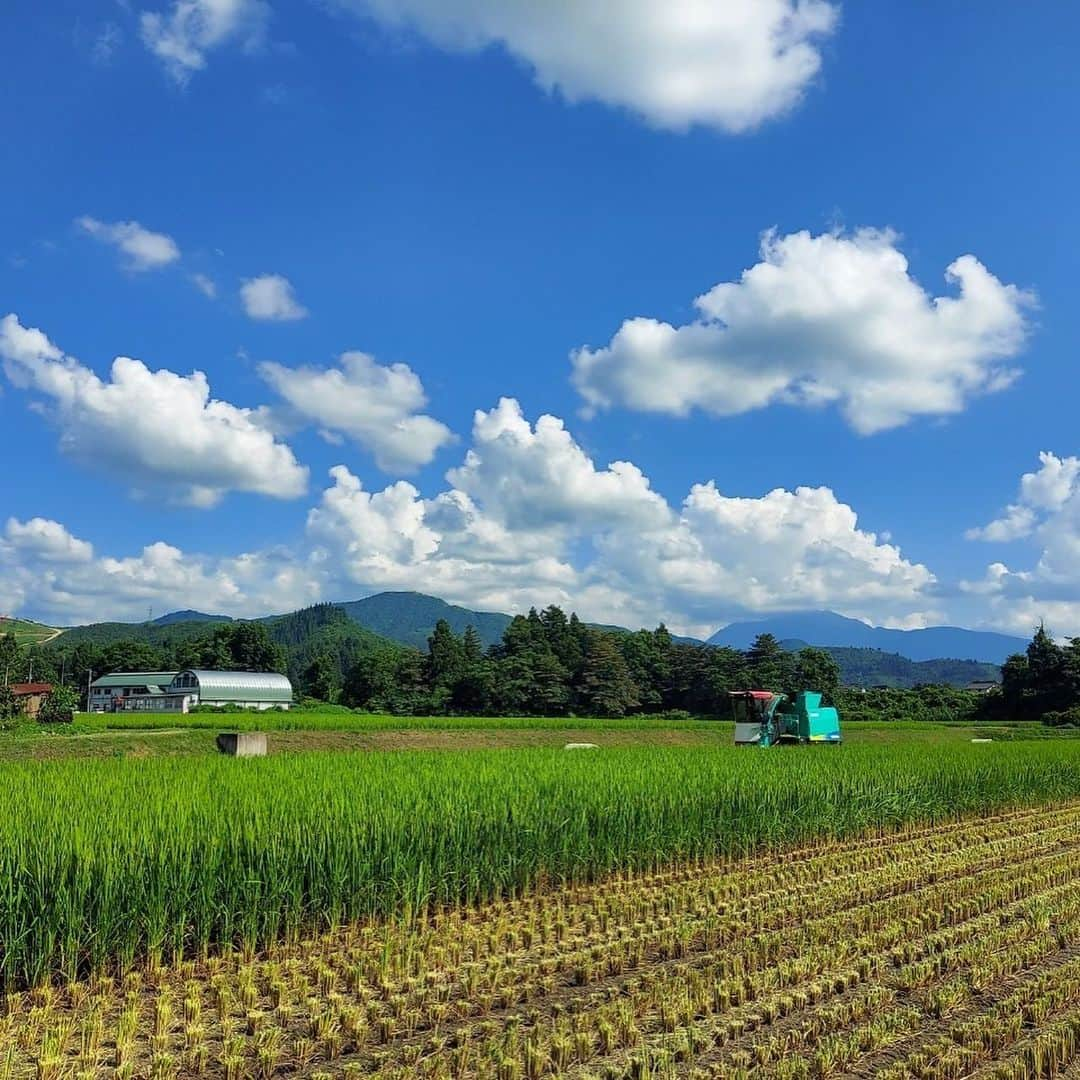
[377, 406]
[1047, 515]
[270, 298]
[527, 518]
[159, 431]
[728, 65]
[829, 319]
[530, 519]
[1044, 495]
[181, 37]
[47, 540]
[144, 249]
[780, 551]
[540, 477]
[66, 591]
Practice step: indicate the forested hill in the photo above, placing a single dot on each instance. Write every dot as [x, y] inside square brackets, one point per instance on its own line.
[873, 667]
[410, 618]
[289, 643]
[190, 616]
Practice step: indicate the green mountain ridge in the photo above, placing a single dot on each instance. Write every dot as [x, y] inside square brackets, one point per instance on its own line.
[867, 667]
[410, 617]
[324, 629]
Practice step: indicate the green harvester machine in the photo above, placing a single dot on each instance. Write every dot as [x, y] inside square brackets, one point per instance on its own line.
[763, 718]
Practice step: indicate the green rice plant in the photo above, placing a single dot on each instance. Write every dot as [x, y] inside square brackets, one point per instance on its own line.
[301, 720]
[106, 863]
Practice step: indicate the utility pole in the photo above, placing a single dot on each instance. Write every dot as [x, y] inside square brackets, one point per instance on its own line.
[89, 677]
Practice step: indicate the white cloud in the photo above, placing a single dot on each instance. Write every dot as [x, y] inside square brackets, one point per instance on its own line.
[395, 539]
[270, 297]
[145, 250]
[375, 405]
[729, 65]
[530, 519]
[993, 582]
[822, 319]
[784, 550]
[1016, 522]
[1053, 485]
[46, 540]
[161, 576]
[1045, 496]
[597, 540]
[1047, 515]
[527, 518]
[181, 38]
[161, 432]
[205, 285]
[540, 477]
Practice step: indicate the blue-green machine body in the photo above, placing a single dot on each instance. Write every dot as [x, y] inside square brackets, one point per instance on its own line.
[763, 718]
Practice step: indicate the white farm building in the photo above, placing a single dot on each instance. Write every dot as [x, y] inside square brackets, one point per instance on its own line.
[151, 692]
[110, 693]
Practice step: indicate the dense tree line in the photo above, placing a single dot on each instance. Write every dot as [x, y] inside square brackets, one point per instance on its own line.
[873, 668]
[1043, 682]
[930, 703]
[239, 646]
[548, 664]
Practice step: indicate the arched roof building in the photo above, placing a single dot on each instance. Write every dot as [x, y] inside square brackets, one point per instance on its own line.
[250, 689]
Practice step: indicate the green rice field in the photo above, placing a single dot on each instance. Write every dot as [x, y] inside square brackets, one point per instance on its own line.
[345, 720]
[104, 863]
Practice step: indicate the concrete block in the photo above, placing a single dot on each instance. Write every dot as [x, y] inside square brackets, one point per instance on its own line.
[242, 743]
[581, 746]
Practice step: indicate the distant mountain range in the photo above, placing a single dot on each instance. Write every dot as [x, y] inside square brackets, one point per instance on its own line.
[408, 618]
[867, 655]
[826, 628]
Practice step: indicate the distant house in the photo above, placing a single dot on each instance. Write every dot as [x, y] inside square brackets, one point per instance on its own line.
[110, 692]
[30, 696]
[983, 686]
[247, 689]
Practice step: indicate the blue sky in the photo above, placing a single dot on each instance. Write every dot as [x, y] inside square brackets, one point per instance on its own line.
[512, 201]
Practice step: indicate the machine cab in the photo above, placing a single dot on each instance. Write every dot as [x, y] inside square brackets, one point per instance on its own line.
[753, 712]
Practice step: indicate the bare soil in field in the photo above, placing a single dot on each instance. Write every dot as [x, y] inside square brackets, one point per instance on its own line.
[937, 952]
[191, 741]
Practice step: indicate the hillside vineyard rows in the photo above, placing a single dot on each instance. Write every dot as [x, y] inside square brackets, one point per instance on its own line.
[936, 952]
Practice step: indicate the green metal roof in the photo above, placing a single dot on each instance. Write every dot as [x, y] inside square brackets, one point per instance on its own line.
[135, 678]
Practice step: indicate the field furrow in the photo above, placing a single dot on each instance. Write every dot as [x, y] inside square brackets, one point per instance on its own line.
[933, 953]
